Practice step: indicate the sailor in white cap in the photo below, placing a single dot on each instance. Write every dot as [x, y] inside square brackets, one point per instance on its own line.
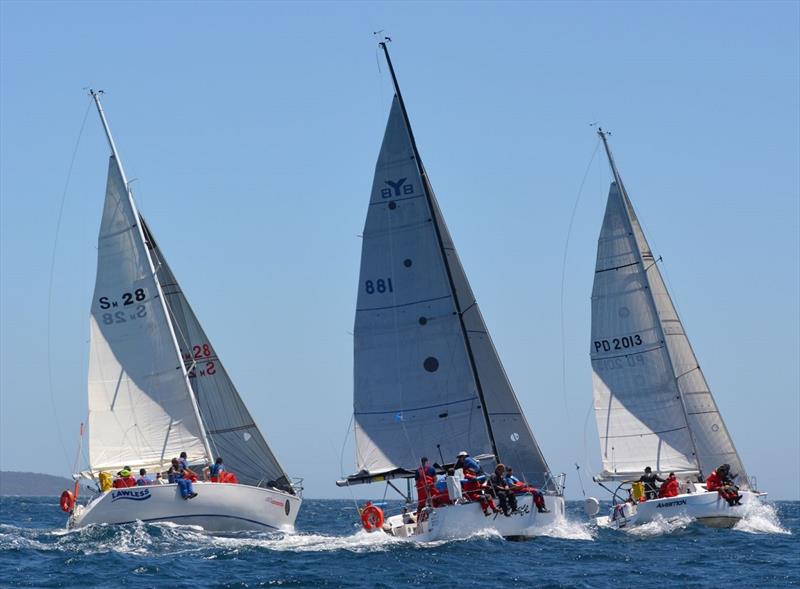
[467, 462]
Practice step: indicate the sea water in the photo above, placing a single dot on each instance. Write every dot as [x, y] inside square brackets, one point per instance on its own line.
[329, 549]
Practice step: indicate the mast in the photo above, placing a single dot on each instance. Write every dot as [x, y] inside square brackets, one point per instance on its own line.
[429, 199]
[628, 206]
[96, 96]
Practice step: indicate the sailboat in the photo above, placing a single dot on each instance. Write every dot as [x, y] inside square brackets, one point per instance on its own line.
[158, 388]
[652, 403]
[427, 378]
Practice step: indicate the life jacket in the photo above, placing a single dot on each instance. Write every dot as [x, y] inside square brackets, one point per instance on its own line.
[423, 479]
[714, 481]
[227, 477]
[124, 482]
[669, 488]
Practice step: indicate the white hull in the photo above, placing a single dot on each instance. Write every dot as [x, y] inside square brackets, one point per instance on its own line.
[707, 507]
[218, 507]
[452, 522]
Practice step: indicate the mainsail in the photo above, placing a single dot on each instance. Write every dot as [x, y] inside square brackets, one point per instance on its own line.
[652, 403]
[231, 431]
[428, 380]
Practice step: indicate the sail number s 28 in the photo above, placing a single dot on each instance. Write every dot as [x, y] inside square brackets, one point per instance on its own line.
[127, 299]
[618, 343]
[381, 285]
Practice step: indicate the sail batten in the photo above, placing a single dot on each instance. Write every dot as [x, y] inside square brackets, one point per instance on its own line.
[648, 387]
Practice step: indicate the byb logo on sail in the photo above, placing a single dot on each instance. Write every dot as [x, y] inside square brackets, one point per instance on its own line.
[132, 494]
[397, 188]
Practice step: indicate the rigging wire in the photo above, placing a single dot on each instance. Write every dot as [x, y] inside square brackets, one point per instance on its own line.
[341, 464]
[564, 280]
[563, 291]
[51, 280]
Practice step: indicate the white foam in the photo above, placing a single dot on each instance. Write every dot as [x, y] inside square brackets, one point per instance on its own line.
[659, 526]
[566, 529]
[760, 518]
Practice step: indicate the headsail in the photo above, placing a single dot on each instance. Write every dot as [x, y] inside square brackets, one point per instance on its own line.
[140, 407]
[427, 376]
[230, 428]
[652, 403]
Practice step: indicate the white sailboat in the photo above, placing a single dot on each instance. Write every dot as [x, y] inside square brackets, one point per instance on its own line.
[652, 403]
[158, 388]
[428, 381]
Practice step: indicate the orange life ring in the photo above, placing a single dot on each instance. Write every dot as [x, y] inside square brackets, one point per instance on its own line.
[372, 517]
[67, 501]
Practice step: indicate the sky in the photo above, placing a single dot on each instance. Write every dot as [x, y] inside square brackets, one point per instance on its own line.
[251, 130]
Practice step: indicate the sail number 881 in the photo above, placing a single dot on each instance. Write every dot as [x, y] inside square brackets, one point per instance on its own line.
[380, 285]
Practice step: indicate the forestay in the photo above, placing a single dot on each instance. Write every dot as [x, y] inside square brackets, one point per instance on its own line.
[652, 403]
[140, 410]
[231, 431]
[416, 392]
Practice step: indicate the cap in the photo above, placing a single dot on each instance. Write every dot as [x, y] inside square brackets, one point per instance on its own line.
[462, 453]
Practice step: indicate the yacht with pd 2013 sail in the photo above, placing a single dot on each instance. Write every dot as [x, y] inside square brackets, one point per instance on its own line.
[652, 403]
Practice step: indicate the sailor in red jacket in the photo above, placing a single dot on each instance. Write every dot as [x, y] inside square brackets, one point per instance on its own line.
[670, 487]
[721, 481]
[425, 478]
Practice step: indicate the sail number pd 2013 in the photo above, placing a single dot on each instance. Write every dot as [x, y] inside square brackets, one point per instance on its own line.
[618, 343]
[127, 299]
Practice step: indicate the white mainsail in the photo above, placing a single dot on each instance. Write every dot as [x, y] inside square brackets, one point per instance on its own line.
[230, 428]
[141, 412]
[428, 380]
[652, 403]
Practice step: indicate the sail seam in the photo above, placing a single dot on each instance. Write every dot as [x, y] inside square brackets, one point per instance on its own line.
[404, 304]
[666, 431]
[616, 267]
[415, 408]
[597, 359]
[397, 199]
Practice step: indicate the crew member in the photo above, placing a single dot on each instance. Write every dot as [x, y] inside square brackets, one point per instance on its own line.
[508, 502]
[185, 483]
[142, 479]
[474, 489]
[124, 479]
[670, 487]
[467, 462]
[519, 486]
[424, 477]
[214, 472]
[649, 478]
[721, 481]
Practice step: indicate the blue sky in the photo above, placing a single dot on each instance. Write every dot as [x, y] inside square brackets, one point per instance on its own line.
[252, 131]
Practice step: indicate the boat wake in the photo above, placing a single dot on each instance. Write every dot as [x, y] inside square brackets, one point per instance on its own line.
[659, 526]
[566, 529]
[761, 518]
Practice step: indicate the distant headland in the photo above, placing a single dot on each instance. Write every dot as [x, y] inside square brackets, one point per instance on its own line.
[31, 484]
